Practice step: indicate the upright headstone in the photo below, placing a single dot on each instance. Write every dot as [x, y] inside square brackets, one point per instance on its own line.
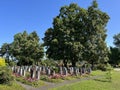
[89, 70]
[48, 71]
[65, 71]
[29, 69]
[60, 70]
[53, 73]
[21, 71]
[71, 70]
[37, 74]
[18, 70]
[24, 72]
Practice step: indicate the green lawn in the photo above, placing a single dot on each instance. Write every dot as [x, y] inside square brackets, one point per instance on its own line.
[14, 86]
[98, 84]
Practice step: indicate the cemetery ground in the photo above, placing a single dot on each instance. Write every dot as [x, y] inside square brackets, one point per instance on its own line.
[76, 83]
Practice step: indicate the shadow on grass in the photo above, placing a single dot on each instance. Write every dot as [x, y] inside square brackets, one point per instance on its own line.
[103, 80]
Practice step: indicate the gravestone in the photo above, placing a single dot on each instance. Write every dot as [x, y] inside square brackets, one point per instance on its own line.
[21, 71]
[37, 74]
[71, 70]
[53, 73]
[60, 70]
[76, 71]
[89, 70]
[48, 71]
[65, 71]
[24, 72]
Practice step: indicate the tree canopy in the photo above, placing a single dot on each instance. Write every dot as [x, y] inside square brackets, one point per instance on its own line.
[27, 48]
[78, 34]
[115, 51]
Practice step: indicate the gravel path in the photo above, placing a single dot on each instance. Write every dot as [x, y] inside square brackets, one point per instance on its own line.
[53, 85]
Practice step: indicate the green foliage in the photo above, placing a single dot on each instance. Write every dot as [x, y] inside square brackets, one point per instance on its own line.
[48, 62]
[101, 67]
[14, 86]
[2, 62]
[46, 78]
[27, 48]
[78, 34]
[115, 51]
[12, 63]
[117, 40]
[5, 75]
[34, 83]
[4, 49]
[109, 72]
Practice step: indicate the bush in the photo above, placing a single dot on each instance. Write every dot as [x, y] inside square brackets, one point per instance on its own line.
[48, 63]
[102, 67]
[12, 63]
[5, 75]
[2, 61]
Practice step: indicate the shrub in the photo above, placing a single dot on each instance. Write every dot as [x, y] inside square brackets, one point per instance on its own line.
[2, 61]
[109, 74]
[5, 75]
[48, 63]
[102, 67]
[44, 78]
[12, 63]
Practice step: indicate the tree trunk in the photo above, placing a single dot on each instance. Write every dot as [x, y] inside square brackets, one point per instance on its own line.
[92, 63]
[65, 63]
[73, 63]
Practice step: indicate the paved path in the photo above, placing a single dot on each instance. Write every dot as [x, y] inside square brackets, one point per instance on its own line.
[117, 69]
[53, 85]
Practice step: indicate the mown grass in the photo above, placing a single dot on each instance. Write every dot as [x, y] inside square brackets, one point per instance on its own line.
[37, 83]
[97, 84]
[14, 86]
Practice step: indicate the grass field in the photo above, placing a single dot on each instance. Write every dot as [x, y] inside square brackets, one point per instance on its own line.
[14, 86]
[98, 84]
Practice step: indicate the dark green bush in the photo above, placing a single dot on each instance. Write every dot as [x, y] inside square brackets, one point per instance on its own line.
[5, 75]
[12, 63]
[48, 63]
[102, 67]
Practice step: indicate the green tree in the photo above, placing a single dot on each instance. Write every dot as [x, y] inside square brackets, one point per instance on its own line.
[63, 40]
[27, 48]
[117, 40]
[114, 56]
[115, 51]
[78, 34]
[96, 50]
[4, 49]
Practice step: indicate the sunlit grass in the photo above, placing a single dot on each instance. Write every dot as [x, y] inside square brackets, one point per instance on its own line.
[98, 84]
[14, 86]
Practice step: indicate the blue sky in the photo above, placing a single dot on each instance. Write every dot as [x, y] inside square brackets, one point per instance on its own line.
[37, 15]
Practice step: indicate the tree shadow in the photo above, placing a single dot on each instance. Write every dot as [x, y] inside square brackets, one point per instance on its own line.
[103, 80]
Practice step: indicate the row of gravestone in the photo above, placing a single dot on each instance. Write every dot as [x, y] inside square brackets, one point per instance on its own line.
[36, 71]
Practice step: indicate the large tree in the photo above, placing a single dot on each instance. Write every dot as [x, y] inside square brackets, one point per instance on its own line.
[27, 48]
[96, 50]
[78, 34]
[115, 51]
[63, 40]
